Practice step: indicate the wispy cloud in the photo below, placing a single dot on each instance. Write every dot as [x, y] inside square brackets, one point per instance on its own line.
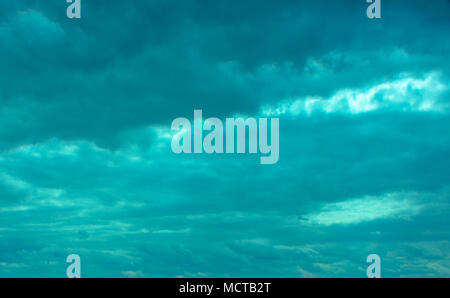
[407, 94]
[355, 211]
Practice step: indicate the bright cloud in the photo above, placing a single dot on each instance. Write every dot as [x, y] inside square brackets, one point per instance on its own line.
[405, 94]
[395, 205]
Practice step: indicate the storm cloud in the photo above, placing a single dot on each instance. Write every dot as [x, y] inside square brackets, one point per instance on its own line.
[86, 165]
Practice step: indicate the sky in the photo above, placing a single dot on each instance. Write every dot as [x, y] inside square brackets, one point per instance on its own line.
[86, 165]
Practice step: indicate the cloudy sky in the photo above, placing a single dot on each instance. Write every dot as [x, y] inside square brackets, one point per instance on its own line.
[86, 165]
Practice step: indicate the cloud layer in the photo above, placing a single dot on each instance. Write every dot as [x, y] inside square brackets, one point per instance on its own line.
[86, 165]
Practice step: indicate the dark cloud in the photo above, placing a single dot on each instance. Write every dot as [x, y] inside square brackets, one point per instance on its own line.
[124, 66]
[85, 109]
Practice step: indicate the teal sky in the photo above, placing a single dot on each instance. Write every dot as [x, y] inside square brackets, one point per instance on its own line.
[86, 165]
